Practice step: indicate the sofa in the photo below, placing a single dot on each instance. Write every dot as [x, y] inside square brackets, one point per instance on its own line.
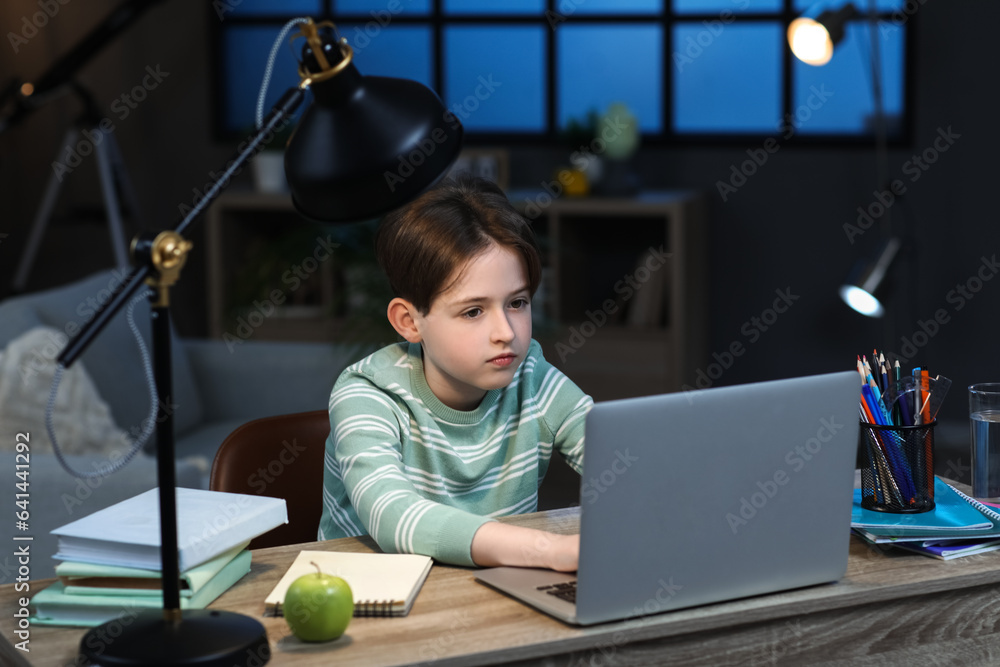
[218, 385]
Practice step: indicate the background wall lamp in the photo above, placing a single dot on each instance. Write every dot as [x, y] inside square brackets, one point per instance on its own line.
[813, 38]
[864, 290]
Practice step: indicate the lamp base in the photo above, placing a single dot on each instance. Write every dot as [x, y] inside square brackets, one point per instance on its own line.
[203, 637]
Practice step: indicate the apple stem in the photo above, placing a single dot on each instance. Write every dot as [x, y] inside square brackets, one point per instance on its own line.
[313, 563]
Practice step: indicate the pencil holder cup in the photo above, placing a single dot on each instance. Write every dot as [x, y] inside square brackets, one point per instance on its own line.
[897, 468]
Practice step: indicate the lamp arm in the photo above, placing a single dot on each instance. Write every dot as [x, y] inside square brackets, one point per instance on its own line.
[276, 119]
[282, 110]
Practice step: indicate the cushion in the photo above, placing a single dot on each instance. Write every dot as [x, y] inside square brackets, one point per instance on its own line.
[82, 420]
[112, 359]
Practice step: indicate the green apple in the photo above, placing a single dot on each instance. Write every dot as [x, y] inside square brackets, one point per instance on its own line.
[318, 607]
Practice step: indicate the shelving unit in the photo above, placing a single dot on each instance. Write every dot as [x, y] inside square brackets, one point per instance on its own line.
[622, 308]
[625, 298]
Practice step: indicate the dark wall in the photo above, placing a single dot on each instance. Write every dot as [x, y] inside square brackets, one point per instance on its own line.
[780, 231]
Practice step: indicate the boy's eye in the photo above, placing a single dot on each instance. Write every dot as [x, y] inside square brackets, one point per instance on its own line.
[519, 303]
[471, 313]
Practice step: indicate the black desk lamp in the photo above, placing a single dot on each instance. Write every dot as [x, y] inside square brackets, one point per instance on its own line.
[365, 146]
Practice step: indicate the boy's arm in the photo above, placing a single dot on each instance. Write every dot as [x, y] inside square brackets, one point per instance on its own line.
[565, 410]
[501, 544]
[367, 458]
[565, 414]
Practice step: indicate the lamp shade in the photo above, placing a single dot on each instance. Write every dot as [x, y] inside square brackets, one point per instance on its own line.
[864, 287]
[366, 144]
[812, 40]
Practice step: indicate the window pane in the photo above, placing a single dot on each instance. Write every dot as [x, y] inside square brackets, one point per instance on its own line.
[598, 65]
[381, 8]
[837, 97]
[567, 7]
[734, 6]
[402, 51]
[289, 8]
[727, 82]
[494, 77]
[244, 56]
[494, 6]
[880, 5]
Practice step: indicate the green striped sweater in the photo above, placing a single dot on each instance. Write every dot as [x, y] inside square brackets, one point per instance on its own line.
[420, 477]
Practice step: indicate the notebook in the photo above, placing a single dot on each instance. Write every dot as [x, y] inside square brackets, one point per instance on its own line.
[935, 529]
[951, 551]
[55, 606]
[382, 584]
[703, 496]
[952, 513]
[93, 579]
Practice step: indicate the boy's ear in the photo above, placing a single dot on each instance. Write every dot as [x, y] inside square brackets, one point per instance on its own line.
[402, 316]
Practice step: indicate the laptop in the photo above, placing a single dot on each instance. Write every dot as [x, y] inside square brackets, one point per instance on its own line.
[704, 496]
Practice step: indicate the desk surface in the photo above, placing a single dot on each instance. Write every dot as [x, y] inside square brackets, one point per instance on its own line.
[891, 605]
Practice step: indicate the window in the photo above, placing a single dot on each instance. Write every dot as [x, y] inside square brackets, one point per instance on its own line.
[522, 70]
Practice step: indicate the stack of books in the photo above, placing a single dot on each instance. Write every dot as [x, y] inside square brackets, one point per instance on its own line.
[111, 564]
[957, 526]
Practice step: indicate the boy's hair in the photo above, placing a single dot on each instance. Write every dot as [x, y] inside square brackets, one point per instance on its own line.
[419, 246]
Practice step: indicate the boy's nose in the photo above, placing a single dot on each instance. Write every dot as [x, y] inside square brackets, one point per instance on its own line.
[502, 330]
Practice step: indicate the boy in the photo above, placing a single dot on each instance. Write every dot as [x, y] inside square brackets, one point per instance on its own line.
[431, 437]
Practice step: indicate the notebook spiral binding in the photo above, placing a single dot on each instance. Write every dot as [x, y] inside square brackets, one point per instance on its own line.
[373, 607]
[988, 511]
[361, 608]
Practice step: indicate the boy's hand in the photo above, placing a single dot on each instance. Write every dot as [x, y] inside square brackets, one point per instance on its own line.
[564, 554]
[496, 544]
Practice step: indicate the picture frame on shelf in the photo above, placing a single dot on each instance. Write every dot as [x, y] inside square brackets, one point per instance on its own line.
[490, 163]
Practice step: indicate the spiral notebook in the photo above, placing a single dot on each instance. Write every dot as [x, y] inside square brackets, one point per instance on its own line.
[979, 521]
[953, 512]
[382, 584]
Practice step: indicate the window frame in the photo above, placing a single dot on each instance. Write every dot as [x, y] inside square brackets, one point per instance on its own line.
[666, 17]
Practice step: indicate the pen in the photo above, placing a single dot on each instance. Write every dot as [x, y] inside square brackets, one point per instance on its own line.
[925, 413]
[904, 410]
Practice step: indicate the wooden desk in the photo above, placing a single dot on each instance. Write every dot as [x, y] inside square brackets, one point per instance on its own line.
[891, 608]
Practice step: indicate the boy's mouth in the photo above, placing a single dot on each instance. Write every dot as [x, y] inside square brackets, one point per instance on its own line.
[503, 359]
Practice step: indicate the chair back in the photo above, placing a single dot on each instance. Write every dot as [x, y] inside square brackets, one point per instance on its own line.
[281, 457]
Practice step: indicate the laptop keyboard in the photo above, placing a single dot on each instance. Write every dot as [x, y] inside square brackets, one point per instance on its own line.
[565, 591]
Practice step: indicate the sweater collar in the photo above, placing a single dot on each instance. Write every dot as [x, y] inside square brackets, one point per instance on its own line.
[423, 391]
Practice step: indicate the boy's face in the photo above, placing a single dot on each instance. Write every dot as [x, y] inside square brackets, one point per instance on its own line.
[476, 334]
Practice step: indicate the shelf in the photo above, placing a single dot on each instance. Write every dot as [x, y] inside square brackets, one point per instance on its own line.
[622, 308]
[632, 271]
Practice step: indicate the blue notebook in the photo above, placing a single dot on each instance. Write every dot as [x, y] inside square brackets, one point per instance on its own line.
[953, 513]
